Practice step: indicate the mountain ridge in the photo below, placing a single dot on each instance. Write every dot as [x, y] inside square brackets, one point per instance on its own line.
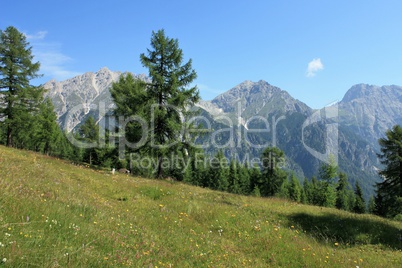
[365, 113]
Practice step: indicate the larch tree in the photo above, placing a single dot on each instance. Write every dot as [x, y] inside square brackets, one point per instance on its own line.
[18, 98]
[170, 94]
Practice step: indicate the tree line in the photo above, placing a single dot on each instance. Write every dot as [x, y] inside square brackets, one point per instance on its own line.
[28, 121]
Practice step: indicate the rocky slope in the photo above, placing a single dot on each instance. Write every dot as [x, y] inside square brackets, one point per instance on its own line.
[74, 99]
[371, 110]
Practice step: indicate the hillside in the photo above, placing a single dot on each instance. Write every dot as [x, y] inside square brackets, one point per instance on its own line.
[55, 214]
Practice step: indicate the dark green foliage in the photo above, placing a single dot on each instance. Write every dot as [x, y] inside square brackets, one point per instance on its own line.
[371, 205]
[348, 230]
[272, 175]
[308, 191]
[243, 178]
[89, 133]
[255, 178]
[295, 189]
[390, 190]
[218, 173]
[18, 99]
[328, 171]
[283, 191]
[233, 178]
[342, 196]
[47, 133]
[129, 96]
[329, 195]
[360, 204]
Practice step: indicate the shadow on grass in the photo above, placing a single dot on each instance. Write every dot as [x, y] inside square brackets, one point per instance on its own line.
[352, 230]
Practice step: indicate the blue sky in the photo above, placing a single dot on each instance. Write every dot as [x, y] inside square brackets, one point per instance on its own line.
[316, 50]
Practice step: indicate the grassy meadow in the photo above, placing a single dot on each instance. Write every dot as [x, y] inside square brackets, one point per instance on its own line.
[56, 214]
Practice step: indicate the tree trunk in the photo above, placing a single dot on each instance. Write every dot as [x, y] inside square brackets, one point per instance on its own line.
[400, 178]
[160, 171]
[9, 137]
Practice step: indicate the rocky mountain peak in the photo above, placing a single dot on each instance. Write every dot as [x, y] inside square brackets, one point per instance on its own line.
[86, 91]
[371, 110]
[258, 97]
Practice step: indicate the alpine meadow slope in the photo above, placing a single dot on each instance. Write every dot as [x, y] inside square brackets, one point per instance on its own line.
[56, 214]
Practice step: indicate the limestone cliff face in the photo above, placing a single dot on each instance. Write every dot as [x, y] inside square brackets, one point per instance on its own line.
[82, 95]
[371, 110]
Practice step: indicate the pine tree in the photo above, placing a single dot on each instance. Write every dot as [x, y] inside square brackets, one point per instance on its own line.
[360, 204]
[18, 99]
[168, 93]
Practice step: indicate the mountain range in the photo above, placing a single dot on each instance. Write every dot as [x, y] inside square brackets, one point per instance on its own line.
[261, 114]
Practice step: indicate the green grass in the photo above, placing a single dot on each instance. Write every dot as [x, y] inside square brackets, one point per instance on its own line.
[54, 214]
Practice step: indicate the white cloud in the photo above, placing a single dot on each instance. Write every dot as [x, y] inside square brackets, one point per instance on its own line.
[53, 62]
[313, 67]
[37, 36]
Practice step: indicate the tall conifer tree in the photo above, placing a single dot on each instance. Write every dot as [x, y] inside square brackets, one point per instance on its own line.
[18, 98]
[169, 93]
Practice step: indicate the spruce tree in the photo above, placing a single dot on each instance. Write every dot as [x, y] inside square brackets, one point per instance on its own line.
[329, 195]
[342, 192]
[360, 204]
[18, 98]
[283, 191]
[295, 189]
[243, 172]
[272, 174]
[169, 93]
[255, 180]
[218, 172]
[390, 190]
[234, 185]
[308, 191]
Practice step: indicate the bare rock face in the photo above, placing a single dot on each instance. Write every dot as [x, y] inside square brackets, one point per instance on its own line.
[259, 98]
[88, 94]
[371, 110]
